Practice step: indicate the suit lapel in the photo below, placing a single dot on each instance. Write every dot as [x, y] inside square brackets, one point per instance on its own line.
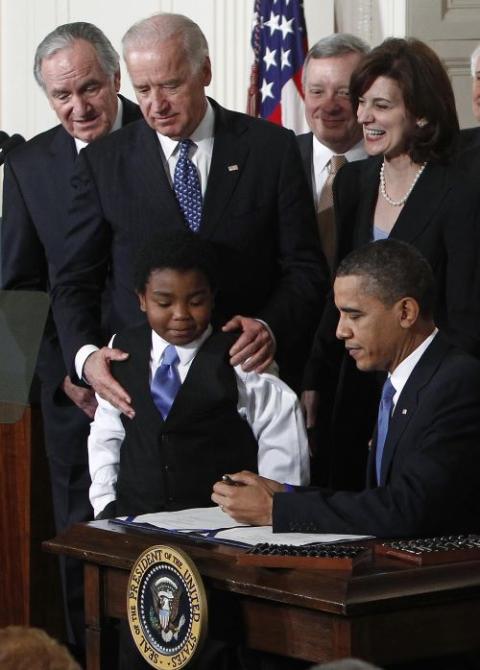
[366, 210]
[62, 149]
[147, 168]
[407, 403]
[305, 144]
[230, 151]
[426, 198]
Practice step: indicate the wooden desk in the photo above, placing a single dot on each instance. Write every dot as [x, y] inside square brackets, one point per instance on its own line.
[386, 612]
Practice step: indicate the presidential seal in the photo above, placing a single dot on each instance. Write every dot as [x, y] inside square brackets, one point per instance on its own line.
[166, 607]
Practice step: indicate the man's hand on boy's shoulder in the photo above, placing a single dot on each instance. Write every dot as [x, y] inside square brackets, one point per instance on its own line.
[96, 372]
[255, 348]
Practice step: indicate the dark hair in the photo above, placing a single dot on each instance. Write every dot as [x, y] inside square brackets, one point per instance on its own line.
[392, 270]
[178, 250]
[427, 93]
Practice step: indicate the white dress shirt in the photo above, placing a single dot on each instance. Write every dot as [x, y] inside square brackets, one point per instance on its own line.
[402, 372]
[201, 156]
[321, 158]
[269, 406]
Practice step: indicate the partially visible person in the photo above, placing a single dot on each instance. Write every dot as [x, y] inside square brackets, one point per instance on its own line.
[239, 183]
[336, 135]
[23, 648]
[78, 69]
[424, 464]
[196, 416]
[470, 137]
[407, 190]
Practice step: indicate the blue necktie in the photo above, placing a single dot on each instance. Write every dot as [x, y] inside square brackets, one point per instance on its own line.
[384, 412]
[166, 382]
[186, 185]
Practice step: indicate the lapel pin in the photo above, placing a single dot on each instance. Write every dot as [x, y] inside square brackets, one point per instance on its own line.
[404, 411]
[232, 168]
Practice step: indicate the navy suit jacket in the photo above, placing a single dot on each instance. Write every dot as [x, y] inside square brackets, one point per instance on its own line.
[36, 195]
[257, 211]
[430, 465]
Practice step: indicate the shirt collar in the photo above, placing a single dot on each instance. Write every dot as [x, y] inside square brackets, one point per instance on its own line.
[402, 372]
[117, 124]
[202, 135]
[185, 352]
[322, 154]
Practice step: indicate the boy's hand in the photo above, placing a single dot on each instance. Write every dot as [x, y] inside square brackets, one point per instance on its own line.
[255, 348]
[251, 502]
[96, 371]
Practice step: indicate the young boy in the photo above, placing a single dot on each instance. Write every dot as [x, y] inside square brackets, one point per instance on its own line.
[196, 417]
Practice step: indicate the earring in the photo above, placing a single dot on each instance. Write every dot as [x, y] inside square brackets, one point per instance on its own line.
[422, 122]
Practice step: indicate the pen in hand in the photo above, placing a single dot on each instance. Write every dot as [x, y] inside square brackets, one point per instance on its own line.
[228, 480]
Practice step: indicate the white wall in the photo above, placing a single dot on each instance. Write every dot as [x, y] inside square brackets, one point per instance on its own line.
[226, 23]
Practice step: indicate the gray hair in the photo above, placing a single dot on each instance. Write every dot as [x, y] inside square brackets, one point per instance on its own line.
[473, 59]
[157, 28]
[337, 44]
[65, 36]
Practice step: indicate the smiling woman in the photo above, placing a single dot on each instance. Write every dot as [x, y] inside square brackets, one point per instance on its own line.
[405, 104]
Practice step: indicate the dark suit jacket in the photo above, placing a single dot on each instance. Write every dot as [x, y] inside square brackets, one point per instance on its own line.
[259, 216]
[305, 144]
[430, 466]
[440, 218]
[36, 194]
[469, 138]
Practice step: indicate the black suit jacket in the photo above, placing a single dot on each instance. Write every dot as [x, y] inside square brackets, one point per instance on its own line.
[469, 138]
[257, 211]
[36, 194]
[430, 466]
[305, 144]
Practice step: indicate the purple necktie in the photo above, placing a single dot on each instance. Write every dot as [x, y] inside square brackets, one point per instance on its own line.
[166, 382]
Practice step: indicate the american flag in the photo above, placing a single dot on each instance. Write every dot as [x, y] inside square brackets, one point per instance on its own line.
[279, 41]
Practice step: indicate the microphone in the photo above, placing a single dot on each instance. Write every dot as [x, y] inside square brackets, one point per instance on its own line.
[8, 143]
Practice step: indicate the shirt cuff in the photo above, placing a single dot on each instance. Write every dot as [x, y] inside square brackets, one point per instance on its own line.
[80, 358]
[264, 323]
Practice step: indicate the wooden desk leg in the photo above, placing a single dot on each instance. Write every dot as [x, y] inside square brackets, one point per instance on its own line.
[93, 616]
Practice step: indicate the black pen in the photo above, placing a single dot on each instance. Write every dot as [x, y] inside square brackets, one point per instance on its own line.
[228, 480]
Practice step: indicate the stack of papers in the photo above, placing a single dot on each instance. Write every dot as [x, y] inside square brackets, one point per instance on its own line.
[210, 523]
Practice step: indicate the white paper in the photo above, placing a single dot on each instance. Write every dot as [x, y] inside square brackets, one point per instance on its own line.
[197, 518]
[258, 534]
[208, 519]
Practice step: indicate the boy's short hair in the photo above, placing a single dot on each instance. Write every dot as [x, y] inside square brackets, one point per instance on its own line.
[178, 250]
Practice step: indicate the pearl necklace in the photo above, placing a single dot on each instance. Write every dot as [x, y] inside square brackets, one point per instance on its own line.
[383, 190]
